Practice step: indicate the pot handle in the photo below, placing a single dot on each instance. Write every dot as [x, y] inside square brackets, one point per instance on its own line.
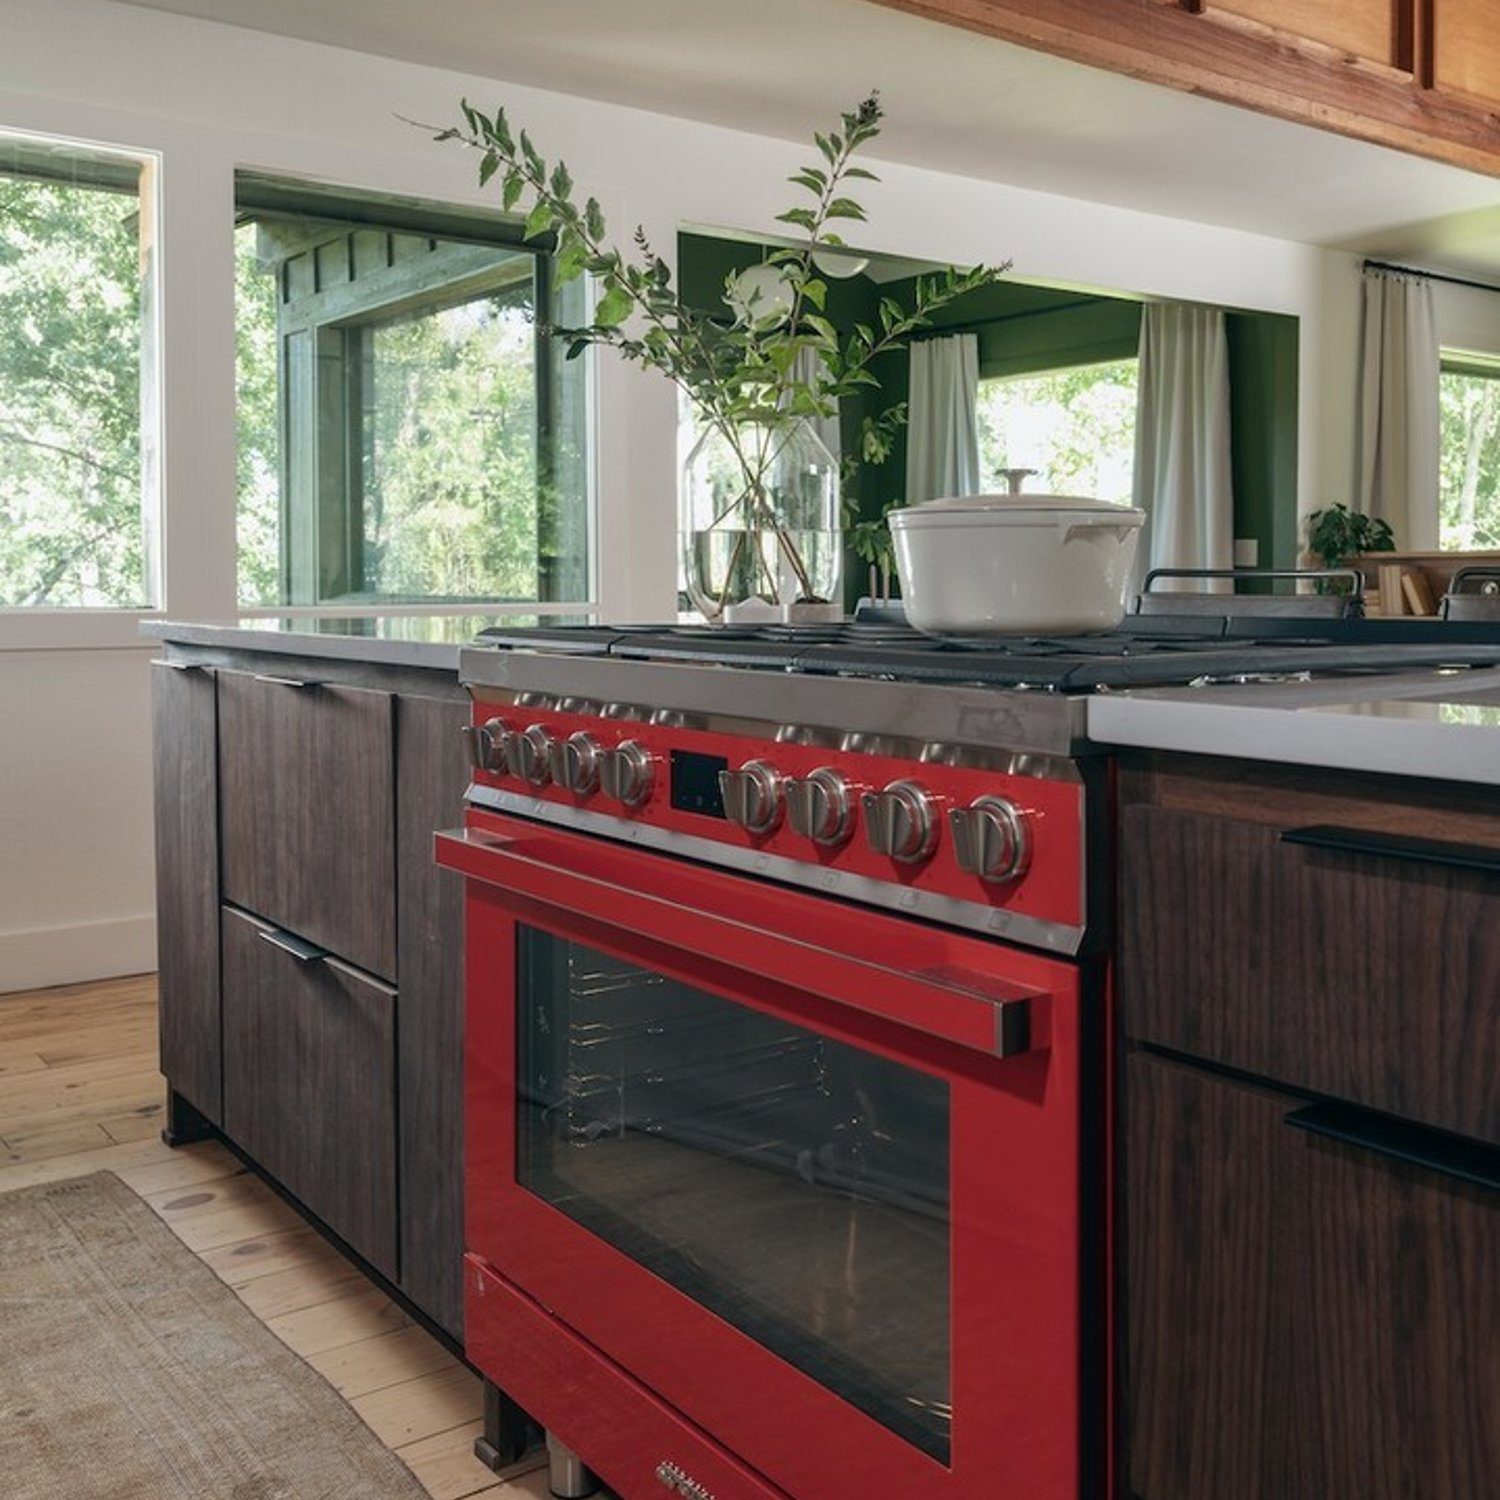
[1070, 526]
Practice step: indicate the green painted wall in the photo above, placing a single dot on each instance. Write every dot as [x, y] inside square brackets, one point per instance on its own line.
[1024, 329]
[1263, 433]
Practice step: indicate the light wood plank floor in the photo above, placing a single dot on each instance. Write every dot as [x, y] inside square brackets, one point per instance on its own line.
[80, 1091]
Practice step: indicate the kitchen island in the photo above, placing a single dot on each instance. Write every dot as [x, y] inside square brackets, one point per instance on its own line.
[1308, 990]
[1439, 725]
[310, 953]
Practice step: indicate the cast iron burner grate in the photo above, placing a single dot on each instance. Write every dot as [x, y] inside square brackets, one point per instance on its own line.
[1146, 651]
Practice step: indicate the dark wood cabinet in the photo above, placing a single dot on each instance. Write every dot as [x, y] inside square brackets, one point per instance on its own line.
[308, 816]
[1306, 1318]
[184, 723]
[1369, 973]
[431, 773]
[1308, 984]
[310, 1079]
[296, 799]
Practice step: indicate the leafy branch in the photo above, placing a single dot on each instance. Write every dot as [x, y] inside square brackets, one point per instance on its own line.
[747, 378]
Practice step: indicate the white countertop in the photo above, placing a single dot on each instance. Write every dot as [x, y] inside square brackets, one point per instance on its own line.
[426, 641]
[1434, 724]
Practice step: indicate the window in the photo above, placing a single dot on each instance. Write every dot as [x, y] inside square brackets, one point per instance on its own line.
[77, 479]
[1469, 412]
[1075, 427]
[408, 429]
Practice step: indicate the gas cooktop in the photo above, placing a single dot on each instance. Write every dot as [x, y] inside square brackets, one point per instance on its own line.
[1146, 651]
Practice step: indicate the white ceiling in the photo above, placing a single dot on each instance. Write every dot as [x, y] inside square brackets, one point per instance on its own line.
[955, 101]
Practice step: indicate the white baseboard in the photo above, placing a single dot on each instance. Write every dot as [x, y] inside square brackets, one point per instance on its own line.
[44, 956]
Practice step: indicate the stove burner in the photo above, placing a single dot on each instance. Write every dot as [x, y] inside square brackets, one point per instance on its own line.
[1146, 651]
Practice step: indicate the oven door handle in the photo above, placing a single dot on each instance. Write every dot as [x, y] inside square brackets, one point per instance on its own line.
[676, 910]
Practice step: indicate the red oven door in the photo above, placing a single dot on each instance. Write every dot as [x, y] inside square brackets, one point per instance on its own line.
[808, 1172]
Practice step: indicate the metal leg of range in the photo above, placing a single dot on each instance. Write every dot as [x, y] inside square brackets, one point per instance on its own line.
[508, 1431]
[568, 1475]
[184, 1123]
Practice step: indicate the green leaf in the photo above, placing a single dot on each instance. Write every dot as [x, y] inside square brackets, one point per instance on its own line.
[844, 208]
[539, 220]
[489, 164]
[503, 137]
[562, 183]
[593, 219]
[812, 179]
[816, 292]
[614, 307]
[570, 262]
[576, 348]
[510, 191]
[863, 173]
[824, 329]
[533, 157]
[802, 217]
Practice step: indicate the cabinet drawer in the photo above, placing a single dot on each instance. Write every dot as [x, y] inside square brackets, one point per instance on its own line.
[310, 1080]
[1305, 1317]
[1361, 964]
[307, 807]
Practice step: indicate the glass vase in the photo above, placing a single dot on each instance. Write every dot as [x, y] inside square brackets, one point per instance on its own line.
[759, 523]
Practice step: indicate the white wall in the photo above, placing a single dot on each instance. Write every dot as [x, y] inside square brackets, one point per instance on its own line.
[75, 859]
[1467, 318]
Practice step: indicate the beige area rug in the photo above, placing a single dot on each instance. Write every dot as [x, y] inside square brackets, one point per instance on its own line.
[129, 1371]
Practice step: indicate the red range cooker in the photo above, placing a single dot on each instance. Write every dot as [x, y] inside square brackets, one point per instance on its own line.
[787, 1075]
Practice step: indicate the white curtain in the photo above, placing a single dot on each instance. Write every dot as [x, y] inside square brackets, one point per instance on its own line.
[1399, 430]
[1182, 471]
[942, 440]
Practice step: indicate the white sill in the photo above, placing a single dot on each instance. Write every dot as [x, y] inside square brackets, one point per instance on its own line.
[75, 629]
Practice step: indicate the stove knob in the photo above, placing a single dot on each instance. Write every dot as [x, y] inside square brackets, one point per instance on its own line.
[527, 754]
[626, 773]
[487, 744]
[752, 797]
[990, 839]
[575, 763]
[820, 807]
[901, 822]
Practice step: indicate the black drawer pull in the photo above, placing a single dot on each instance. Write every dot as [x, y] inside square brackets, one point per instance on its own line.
[300, 949]
[1395, 846]
[302, 684]
[1437, 1151]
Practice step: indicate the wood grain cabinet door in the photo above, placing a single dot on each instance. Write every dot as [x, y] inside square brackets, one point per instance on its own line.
[310, 1080]
[1366, 973]
[305, 771]
[432, 772]
[1376, 30]
[1305, 1318]
[184, 719]
[1466, 48]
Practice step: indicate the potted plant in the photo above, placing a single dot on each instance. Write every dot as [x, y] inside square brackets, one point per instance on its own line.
[1337, 534]
[760, 506]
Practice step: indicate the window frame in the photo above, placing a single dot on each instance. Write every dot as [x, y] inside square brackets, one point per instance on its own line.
[1474, 364]
[262, 195]
[1013, 377]
[25, 627]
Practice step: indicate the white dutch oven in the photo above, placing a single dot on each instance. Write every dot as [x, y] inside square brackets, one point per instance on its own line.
[1015, 564]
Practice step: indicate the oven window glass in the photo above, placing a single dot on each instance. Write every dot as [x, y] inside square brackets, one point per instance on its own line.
[795, 1186]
